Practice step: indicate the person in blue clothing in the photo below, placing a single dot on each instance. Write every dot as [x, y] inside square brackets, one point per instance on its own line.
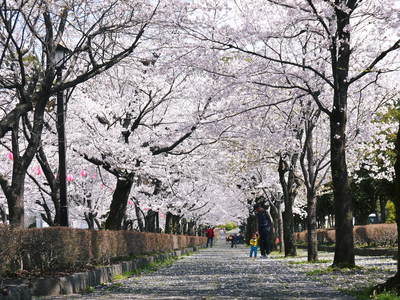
[265, 230]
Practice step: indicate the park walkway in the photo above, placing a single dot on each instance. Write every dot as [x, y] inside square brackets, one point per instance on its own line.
[218, 273]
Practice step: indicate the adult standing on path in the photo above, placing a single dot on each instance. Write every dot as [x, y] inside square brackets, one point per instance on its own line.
[210, 236]
[265, 230]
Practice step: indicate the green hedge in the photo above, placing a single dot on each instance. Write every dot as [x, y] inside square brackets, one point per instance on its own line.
[374, 235]
[59, 248]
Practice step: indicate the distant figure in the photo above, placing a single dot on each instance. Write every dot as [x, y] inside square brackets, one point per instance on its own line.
[253, 245]
[234, 241]
[210, 236]
[229, 239]
[265, 230]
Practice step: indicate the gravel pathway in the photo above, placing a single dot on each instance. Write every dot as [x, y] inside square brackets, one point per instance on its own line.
[225, 273]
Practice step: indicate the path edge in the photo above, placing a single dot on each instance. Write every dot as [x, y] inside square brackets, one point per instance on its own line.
[82, 281]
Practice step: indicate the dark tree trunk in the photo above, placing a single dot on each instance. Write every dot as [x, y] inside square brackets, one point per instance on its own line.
[344, 249]
[15, 199]
[289, 187]
[119, 203]
[139, 217]
[53, 184]
[382, 207]
[3, 215]
[158, 222]
[168, 223]
[288, 232]
[191, 228]
[15, 192]
[184, 226]
[340, 56]
[311, 167]
[90, 219]
[312, 241]
[151, 221]
[176, 228]
[276, 212]
[201, 231]
[280, 230]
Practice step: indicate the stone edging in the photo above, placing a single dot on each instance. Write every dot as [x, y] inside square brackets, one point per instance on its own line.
[79, 282]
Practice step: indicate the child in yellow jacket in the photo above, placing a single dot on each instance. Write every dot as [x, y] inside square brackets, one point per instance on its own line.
[253, 245]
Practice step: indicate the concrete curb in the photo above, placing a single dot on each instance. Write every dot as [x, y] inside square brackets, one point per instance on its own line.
[79, 282]
[360, 251]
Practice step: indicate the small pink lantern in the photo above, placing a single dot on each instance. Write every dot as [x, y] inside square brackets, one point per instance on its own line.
[10, 156]
[130, 202]
[70, 178]
[84, 173]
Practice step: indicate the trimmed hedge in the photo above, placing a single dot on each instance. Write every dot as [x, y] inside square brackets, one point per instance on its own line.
[58, 249]
[374, 235]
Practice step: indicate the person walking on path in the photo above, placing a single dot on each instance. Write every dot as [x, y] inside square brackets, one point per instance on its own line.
[210, 236]
[253, 245]
[265, 230]
[234, 241]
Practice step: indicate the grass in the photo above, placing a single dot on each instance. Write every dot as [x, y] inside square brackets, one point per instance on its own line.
[188, 253]
[146, 269]
[330, 270]
[281, 255]
[89, 290]
[365, 294]
[305, 262]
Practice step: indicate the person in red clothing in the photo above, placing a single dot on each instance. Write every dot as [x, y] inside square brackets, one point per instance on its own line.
[210, 236]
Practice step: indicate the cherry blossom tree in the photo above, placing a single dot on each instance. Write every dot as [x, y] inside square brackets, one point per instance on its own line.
[350, 54]
[99, 35]
[148, 120]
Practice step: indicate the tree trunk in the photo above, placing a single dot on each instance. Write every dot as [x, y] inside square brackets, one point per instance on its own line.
[312, 241]
[382, 207]
[168, 223]
[53, 184]
[191, 226]
[288, 233]
[89, 218]
[119, 203]
[176, 228]
[280, 228]
[15, 198]
[289, 194]
[15, 192]
[139, 217]
[3, 215]
[184, 226]
[340, 56]
[344, 249]
[151, 221]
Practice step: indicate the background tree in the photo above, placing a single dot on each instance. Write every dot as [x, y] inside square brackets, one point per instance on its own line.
[346, 59]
